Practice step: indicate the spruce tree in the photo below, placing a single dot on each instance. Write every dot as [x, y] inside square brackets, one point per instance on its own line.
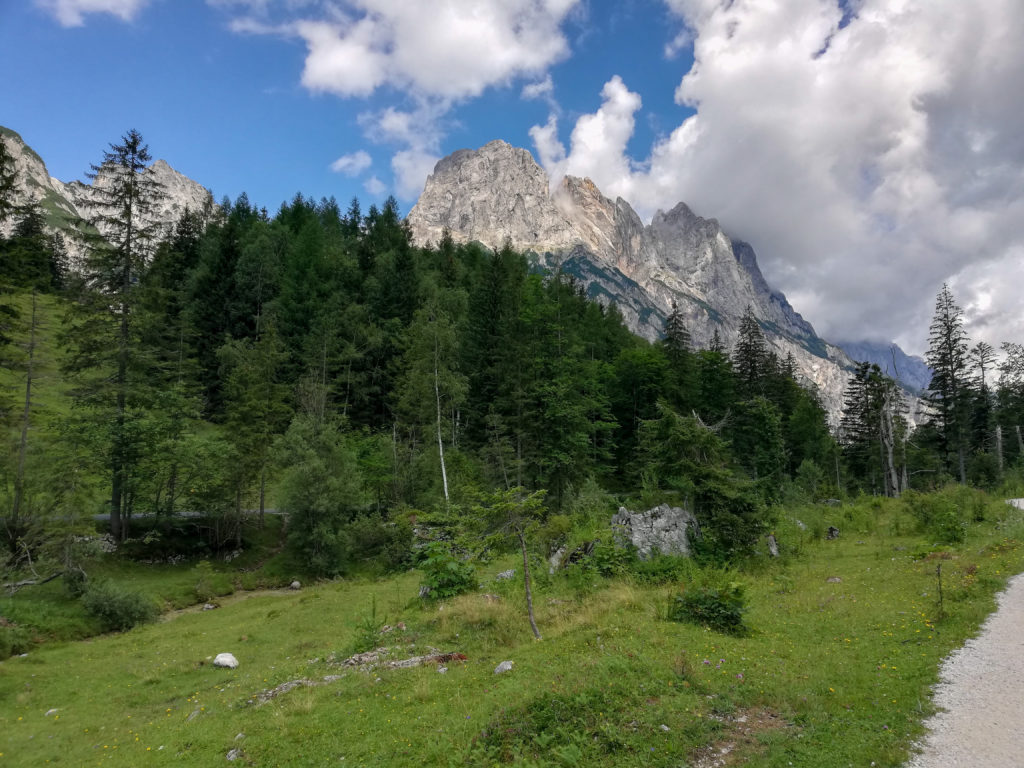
[750, 356]
[948, 390]
[103, 336]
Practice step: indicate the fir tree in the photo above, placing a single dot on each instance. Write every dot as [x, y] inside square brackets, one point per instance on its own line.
[948, 390]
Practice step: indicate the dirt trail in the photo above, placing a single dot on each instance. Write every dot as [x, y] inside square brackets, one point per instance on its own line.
[981, 695]
[227, 600]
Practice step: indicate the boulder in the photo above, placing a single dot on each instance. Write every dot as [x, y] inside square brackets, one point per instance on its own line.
[662, 528]
[295, 585]
[226, 660]
[506, 575]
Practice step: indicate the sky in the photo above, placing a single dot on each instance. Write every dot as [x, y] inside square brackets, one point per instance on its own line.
[869, 150]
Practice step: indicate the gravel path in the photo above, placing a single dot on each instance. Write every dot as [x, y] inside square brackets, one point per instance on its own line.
[981, 695]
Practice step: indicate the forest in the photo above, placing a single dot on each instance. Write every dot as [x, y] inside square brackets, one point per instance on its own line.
[315, 362]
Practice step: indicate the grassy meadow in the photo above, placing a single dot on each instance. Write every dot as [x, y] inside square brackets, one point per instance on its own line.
[845, 637]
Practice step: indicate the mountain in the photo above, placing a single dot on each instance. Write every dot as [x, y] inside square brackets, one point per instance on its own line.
[66, 204]
[911, 371]
[499, 192]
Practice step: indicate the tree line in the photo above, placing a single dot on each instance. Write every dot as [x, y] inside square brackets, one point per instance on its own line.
[316, 357]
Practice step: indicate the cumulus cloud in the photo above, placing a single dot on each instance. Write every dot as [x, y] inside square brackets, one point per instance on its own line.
[352, 164]
[71, 13]
[375, 186]
[435, 53]
[868, 155]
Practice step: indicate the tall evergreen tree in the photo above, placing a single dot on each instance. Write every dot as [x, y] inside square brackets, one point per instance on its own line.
[103, 337]
[948, 391]
[750, 356]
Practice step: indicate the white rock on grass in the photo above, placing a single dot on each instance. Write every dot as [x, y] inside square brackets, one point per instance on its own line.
[226, 660]
[505, 666]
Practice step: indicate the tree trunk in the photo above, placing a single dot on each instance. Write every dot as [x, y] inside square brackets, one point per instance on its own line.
[263, 493]
[999, 447]
[26, 416]
[440, 441]
[526, 584]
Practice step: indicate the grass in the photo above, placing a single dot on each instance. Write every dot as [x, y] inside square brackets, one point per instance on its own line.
[831, 673]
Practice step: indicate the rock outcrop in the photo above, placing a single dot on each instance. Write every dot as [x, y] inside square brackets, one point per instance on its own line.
[66, 205]
[499, 192]
[662, 528]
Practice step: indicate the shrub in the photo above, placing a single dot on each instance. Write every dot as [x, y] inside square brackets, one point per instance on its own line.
[372, 538]
[938, 514]
[75, 582]
[209, 583]
[446, 576]
[713, 601]
[117, 608]
[13, 639]
[662, 569]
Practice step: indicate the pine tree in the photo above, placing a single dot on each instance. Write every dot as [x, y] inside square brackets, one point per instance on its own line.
[750, 356]
[948, 390]
[103, 336]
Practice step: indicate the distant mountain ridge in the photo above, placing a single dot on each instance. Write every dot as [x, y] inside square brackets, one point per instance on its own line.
[499, 192]
[910, 370]
[66, 204]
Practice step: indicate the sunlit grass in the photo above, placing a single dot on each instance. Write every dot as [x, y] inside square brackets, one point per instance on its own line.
[845, 666]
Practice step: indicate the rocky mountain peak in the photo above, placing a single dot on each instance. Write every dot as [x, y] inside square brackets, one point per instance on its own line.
[66, 204]
[499, 191]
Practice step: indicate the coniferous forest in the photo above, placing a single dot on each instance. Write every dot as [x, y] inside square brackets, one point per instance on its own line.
[314, 362]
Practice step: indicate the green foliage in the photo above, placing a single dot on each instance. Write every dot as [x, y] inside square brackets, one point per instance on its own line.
[444, 574]
[939, 514]
[76, 582]
[662, 569]
[117, 608]
[372, 539]
[715, 599]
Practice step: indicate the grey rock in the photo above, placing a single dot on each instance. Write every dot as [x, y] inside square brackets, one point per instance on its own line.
[833, 580]
[234, 754]
[661, 528]
[226, 660]
[424, 590]
[50, 712]
[295, 585]
[506, 575]
[499, 192]
[67, 204]
[505, 666]
[832, 533]
[773, 545]
[555, 561]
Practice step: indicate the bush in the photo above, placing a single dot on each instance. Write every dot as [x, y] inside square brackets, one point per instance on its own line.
[13, 639]
[939, 513]
[713, 601]
[662, 569]
[117, 608]
[76, 582]
[209, 583]
[446, 576]
[372, 538]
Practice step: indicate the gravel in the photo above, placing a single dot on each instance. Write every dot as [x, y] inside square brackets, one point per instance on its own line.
[981, 695]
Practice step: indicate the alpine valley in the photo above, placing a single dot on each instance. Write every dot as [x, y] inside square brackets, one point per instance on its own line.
[499, 193]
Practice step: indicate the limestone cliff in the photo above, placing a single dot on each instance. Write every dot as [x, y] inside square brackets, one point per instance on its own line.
[500, 192]
[66, 206]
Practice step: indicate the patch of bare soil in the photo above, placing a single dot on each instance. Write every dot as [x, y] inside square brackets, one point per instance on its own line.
[741, 739]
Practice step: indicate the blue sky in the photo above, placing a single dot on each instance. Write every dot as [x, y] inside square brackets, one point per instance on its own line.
[229, 110]
[870, 150]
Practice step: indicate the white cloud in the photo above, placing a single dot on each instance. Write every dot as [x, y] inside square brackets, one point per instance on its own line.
[352, 164]
[71, 13]
[867, 161]
[542, 89]
[375, 186]
[435, 53]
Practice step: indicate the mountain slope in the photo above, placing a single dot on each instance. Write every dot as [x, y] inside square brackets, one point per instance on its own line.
[66, 205]
[500, 192]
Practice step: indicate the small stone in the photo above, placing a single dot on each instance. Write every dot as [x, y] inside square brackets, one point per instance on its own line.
[506, 575]
[239, 736]
[210, 606]
[773, 545]
[424, 591]
[50, 712]
[295, 585]
[442, 670]
[833, 533]
[226, 660]
[665, 728]
[234, 754]
[834, 580]
[505, 666]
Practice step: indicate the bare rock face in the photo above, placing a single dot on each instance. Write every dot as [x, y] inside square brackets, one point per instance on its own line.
[662, 528]
[66, 205]
[499, 192]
